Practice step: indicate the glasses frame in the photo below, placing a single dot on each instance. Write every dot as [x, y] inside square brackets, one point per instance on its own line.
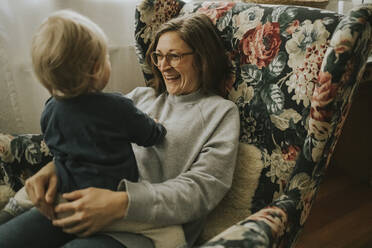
[167, 58]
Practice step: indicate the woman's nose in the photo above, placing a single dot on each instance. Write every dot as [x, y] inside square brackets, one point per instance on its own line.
[164, 64]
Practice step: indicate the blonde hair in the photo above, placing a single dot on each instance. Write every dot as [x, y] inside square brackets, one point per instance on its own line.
[68, 53]
[199, 33]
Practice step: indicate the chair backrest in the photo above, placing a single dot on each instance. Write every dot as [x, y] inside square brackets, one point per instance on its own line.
[296, 71]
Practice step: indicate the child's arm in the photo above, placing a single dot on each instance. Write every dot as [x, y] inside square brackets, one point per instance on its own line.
[45, 114]
[142, 129]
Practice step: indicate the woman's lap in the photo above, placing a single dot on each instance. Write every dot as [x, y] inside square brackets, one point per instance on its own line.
[96, 241]
[31, 229]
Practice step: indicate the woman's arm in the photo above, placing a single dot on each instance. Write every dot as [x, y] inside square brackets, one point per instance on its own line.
[92, 208]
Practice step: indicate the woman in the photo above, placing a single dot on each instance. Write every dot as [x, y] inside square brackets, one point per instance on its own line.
[182, 179]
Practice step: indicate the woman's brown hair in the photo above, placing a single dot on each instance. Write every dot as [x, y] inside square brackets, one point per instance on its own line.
[198, 32]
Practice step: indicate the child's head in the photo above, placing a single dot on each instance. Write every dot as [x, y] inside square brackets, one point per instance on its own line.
[70, 55]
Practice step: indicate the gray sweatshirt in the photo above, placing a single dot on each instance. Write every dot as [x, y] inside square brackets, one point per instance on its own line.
[183, 178]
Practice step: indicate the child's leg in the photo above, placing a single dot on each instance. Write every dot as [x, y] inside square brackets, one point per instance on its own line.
[32, 230]
[5, 216]
[16, 206]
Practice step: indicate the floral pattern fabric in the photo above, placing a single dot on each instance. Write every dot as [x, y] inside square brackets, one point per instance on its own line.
[296, 72]
[20, 157]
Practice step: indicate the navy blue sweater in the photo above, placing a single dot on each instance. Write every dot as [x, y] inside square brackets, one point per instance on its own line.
[90, 137]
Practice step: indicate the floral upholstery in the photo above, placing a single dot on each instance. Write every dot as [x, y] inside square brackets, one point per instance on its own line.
[20, 157]
[297, 70]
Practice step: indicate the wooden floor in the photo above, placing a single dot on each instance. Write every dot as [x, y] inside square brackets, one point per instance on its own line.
[341, 216]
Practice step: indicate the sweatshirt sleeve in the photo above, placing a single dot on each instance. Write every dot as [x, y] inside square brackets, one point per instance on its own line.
[194, 193]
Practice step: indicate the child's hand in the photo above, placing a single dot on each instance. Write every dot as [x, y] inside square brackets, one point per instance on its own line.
[47, 210]
[41, 189]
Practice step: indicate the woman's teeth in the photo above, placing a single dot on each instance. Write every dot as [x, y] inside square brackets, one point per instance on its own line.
[171, 77]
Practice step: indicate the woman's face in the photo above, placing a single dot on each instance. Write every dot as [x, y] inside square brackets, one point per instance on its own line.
[180, 77]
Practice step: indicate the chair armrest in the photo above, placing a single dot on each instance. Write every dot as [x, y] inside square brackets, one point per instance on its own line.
[20, 157]
[262, 229]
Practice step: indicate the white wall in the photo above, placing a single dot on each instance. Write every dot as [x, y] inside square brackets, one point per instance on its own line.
[21, 96]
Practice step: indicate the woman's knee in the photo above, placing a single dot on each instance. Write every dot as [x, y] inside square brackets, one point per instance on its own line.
[96, 241]
[31, 229]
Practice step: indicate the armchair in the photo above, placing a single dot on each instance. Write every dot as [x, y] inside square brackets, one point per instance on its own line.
[297, 70]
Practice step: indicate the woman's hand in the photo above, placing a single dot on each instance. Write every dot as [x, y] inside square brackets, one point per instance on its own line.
[41, 189]
[91, 209]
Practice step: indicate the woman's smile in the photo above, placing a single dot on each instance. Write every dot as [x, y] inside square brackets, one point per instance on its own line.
[174, 77]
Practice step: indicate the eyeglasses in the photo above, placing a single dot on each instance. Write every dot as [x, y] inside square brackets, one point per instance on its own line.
[173, 59]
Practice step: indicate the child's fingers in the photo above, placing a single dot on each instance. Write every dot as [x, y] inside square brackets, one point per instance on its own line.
[47, 210]
[51, 190]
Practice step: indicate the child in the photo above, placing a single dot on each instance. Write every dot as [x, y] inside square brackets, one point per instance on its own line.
[88, 132]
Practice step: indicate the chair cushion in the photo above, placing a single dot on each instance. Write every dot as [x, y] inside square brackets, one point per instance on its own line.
[236, 205]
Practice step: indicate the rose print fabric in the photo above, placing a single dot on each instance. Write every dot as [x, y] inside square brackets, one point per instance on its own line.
[296, 71]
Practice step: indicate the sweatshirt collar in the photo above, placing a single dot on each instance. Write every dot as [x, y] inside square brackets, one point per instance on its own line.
[189, 98]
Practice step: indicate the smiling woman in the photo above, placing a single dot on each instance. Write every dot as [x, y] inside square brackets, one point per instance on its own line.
[21, 97]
